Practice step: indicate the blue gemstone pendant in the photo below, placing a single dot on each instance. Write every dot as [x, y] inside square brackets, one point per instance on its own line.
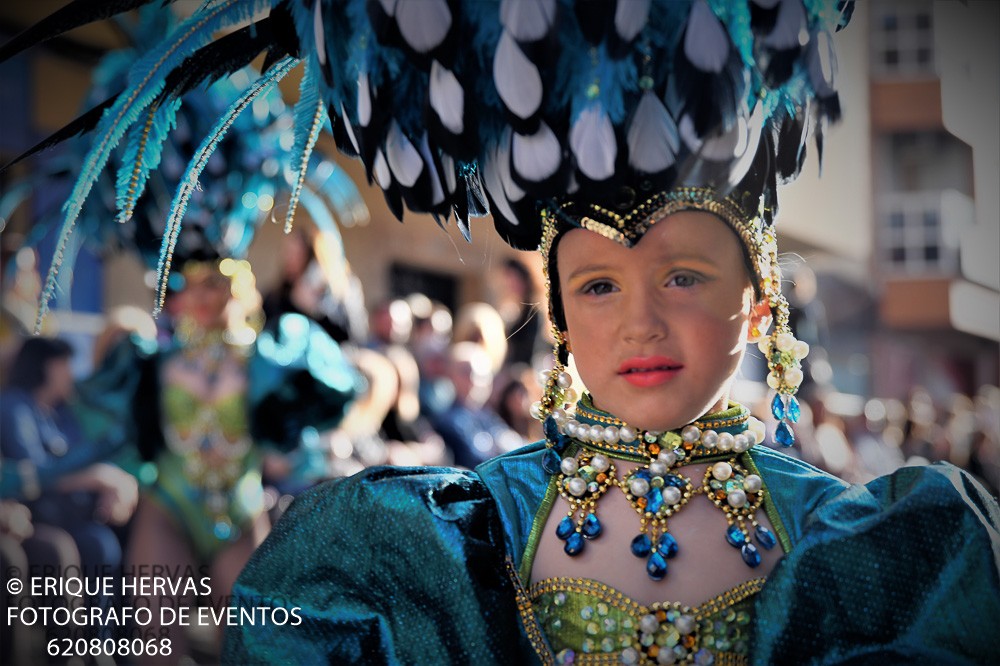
[656, 567]
[667, 546]
[765, 537]
[735, 536]
[641, 545]
[591, 528]
[750, 555]
[794, 411]
[565, 528]
[784, 435]
[574, 544]
[778, 407]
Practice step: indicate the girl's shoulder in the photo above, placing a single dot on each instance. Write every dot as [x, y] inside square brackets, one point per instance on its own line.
[394, 565]
[874, 567]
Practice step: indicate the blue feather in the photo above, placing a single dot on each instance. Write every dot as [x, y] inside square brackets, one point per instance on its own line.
[336, 187]
[146, 80]
[310, 116]
[189, 181]
[143, 150]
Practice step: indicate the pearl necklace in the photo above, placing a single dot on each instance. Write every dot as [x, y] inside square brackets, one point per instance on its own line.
[656, 490]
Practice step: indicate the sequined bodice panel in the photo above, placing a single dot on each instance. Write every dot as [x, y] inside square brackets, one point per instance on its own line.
[588, 622]
[188, 415]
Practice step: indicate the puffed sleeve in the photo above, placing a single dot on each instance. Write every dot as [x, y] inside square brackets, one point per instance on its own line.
[903, 570]
[298, 377]
[392, 565]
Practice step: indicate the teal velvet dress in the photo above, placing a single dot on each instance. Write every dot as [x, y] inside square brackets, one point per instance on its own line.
[430, 566]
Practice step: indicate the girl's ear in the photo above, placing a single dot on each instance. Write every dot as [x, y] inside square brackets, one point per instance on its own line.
[569, 347]
[760, 321]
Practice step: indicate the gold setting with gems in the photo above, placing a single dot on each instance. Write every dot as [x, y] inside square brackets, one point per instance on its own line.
[642, 634]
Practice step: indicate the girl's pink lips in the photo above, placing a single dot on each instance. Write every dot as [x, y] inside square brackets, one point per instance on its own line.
[646, 371]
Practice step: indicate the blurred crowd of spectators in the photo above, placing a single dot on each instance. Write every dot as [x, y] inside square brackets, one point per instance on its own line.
[443, 388]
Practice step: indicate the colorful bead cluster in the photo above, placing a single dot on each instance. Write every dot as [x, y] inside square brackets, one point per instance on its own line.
[656, 490]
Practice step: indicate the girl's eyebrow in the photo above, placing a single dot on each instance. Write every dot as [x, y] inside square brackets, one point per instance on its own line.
[587, 268]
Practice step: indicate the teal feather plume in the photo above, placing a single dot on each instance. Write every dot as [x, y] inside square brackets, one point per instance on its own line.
[310, 117]
[189, 181]
[146, 81]
[143, 150]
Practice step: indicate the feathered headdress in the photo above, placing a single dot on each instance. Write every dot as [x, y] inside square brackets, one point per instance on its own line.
[193, 153]
[472, 107]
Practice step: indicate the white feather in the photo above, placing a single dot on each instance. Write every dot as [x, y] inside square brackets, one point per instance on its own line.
[423, 23]
[511, 189]
[497, 159]
[630, 18]
[688, 134]
[538, 156]
[528, 20]
[652, 136]
[516, 78]
[389, 6]
[754, 126]
[364, 100]
[349, 128]
[822, 64]
[791, 22]
[447, 98]
[437, 192]
[381, 169]
[404, 160]
[448, 167]
[706, 43]
[318, 33]
[592, 140]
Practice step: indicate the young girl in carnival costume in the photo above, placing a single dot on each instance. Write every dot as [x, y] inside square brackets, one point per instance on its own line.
[206, 408]
[653, 524]
[639, 145]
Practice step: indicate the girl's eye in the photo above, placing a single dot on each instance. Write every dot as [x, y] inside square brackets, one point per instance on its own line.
[598, 288]
[682, 280]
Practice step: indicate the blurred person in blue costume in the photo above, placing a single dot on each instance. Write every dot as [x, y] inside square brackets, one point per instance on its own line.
[208, 410]
[639, 144]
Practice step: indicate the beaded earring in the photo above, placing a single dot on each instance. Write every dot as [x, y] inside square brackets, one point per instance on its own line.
[784, 353]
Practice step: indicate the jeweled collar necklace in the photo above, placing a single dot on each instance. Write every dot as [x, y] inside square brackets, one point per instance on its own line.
[730, 431]
[581, 453]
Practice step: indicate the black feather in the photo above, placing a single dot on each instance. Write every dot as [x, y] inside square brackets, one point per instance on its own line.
[846, 9]
[83, 123]
[595, 18]
[73, 15]
[763, 19]
[790, 151]
[220, 58]
[519, 236]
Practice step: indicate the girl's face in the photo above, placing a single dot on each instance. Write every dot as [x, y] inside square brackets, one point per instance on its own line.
[204, 298]
[658, 331]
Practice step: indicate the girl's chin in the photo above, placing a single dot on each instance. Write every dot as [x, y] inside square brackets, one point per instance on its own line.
[655, 419]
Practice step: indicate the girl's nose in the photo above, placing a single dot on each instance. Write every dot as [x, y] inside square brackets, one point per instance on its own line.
[643, 319]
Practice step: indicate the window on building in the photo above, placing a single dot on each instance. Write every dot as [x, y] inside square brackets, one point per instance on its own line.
[902, 38]
[914, 238]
